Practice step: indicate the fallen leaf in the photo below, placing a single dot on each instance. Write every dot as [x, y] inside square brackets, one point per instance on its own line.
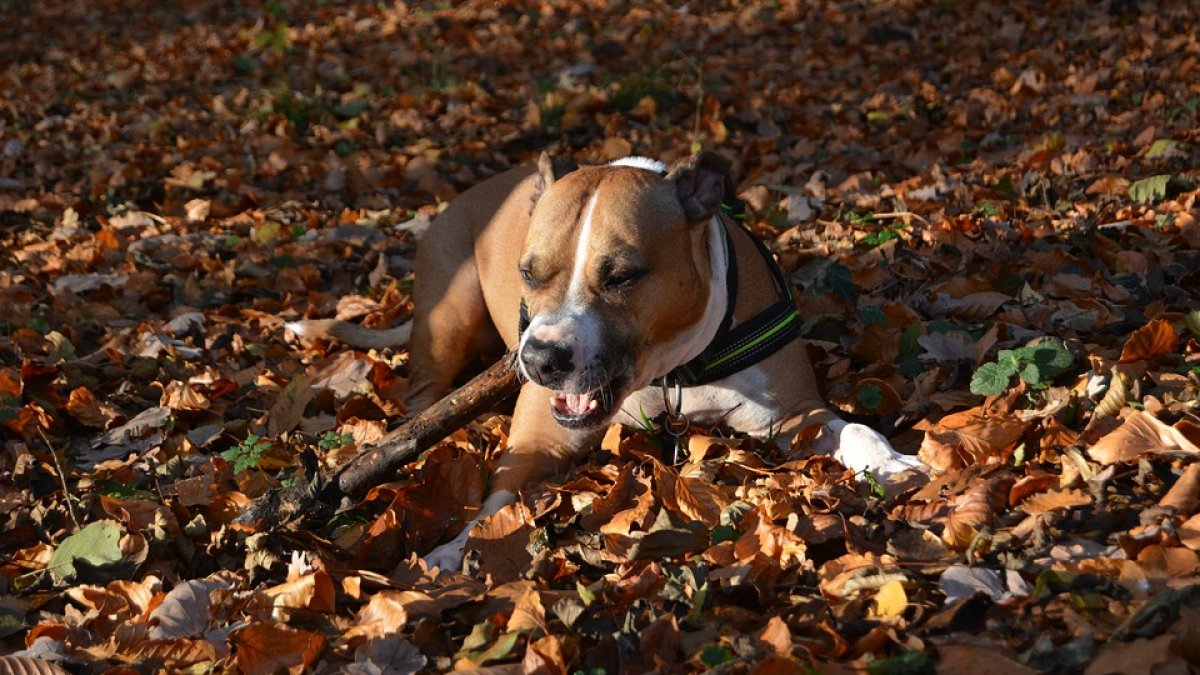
[266, 648]
[890, 601]
[1141, 434]
[970, 437]
[1152, 340]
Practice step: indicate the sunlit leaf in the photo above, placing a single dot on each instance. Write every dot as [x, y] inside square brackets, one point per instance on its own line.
[97, 545]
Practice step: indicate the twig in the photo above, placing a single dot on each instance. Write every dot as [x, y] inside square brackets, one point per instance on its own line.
[899, 214]
[61, 477]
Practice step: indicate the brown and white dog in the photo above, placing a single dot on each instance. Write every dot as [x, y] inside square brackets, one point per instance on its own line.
[622, 270]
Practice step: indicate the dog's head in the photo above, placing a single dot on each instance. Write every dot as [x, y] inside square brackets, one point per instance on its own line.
[624, 273]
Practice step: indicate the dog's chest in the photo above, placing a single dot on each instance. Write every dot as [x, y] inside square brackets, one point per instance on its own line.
[739, 401]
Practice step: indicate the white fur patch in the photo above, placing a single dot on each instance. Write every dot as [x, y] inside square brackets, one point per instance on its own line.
[579, 269]
[739, 401]
[638, 162]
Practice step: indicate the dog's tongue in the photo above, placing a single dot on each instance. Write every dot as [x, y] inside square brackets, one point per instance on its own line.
[575, 404]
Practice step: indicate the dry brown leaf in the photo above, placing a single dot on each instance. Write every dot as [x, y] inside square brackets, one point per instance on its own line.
[528, 614]
[384, 614]
[777, 636]
[548, 655]
[1116, 396]
[502, 540]
[25, 665]
[267, 648]
[1184, 494]
[1131, 658]
[1152, 340]
[1189, 532]
[185, 611]
[971, 437]
[1055, 500]
[976, 508]
[956, 659]
[313, 592]
[83, 406]
[700, 500]
[289, 408]
[1140, 435]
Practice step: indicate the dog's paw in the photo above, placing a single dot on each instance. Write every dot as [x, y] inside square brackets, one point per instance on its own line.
[448, 557]
[861, 449]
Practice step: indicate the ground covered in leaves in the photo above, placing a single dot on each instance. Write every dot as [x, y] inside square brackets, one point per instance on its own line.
[988, 211]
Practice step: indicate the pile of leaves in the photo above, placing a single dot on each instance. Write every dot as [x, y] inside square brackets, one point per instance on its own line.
[988, 211]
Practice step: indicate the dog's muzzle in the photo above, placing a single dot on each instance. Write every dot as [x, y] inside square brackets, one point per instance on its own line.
[580, 399]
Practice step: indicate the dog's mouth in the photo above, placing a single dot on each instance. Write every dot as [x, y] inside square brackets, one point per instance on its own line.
[580, 411]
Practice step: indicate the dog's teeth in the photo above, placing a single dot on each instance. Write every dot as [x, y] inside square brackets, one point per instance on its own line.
[592, 405]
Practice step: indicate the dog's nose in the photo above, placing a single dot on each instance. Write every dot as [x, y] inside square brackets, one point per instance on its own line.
[546, 363]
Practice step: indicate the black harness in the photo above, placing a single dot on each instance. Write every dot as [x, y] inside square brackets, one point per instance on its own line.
[735, 348]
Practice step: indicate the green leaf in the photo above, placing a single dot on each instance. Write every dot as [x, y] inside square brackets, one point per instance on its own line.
[12, 619]
[351, 108]
[585, 594]
[1161, 147]
[1052, 358]
[499, 649]
[1192, 321]
[991, 379]
[874, 485]
[908, 663]
[722, 533]
[97, 545]
[872, 315]
[481, 634]
[715, 655]
[266, 233]
[1150, 189]
[1009, 360]
[1031, 375]
[1052, 582]
[870, 397]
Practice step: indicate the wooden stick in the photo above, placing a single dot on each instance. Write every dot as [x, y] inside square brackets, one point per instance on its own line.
[377, 463]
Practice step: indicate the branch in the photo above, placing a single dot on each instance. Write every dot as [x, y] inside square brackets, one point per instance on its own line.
[378, 463]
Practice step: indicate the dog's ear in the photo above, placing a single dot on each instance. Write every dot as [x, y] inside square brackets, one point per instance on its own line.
[702, 182]
[550, 169]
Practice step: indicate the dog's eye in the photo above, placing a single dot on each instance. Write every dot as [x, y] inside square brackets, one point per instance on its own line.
[622, 278]
[527, 277]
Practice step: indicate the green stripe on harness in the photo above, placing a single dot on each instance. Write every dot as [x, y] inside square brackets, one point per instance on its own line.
[762, 335]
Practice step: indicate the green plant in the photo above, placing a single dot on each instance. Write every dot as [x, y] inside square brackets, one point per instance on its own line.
[246, 455]
[1037, 365]
[884, 235]
[874, 486]
[127, 490]
[10, 408]
[332, 440]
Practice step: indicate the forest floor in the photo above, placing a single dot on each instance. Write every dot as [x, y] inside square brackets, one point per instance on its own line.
[988, 210]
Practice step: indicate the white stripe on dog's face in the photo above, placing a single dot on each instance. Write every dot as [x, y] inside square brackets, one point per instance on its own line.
[575, 324]
[579, 268]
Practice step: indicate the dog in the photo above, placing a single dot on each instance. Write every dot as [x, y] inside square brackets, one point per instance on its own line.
[615, 285]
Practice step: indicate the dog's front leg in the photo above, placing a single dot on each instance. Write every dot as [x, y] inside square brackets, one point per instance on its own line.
[538, 447]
